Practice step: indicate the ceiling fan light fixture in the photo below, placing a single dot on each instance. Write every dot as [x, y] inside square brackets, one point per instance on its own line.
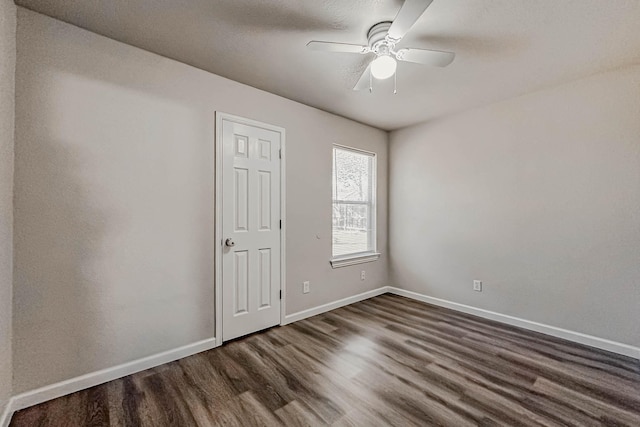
[383, 67]
[382, 39]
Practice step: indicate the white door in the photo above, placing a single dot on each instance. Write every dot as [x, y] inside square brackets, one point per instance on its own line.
[250, 240]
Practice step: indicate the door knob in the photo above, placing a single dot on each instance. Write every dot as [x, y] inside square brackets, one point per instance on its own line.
[230, 243]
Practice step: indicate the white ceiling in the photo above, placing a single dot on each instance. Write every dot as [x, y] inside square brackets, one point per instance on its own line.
[504, 47]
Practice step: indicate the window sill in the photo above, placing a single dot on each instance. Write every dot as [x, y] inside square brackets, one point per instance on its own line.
[354, 259]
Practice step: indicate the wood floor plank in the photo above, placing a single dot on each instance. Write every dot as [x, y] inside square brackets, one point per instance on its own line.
[588, 404]
[384, 361]
[298, 414]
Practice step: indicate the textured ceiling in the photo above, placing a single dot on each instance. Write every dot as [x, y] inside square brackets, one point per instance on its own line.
[504, 47]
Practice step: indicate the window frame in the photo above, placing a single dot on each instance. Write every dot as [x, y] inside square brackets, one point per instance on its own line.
[371, 254]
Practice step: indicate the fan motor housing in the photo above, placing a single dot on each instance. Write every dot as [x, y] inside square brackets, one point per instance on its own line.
[377, 37]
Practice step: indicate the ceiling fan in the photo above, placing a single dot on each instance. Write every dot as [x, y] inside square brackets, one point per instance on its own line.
[382, 40]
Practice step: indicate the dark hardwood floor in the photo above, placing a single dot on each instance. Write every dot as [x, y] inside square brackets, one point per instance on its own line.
[384, 361]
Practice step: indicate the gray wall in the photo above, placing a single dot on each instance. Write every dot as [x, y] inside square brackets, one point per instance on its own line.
[538, 196]
[7, 73]
[114, 201]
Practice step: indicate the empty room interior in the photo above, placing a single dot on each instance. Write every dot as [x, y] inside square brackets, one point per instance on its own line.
[320, 212]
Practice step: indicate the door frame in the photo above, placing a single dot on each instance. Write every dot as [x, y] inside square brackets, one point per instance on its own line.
[219, 238]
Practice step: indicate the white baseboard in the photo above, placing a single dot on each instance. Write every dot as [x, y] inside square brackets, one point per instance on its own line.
[578, 337]
[5, 417]
[43, 394]
[290, 318]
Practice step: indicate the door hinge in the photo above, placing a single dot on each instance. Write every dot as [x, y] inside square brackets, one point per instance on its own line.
[280, 153]
[280, 224]
[280, 294]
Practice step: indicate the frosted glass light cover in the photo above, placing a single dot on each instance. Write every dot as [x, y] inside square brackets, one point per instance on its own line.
[383, 67]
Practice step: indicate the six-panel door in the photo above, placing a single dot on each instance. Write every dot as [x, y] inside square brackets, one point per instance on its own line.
[250, 229]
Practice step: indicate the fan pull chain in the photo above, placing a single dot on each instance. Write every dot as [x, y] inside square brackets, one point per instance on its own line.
[370, 82]
[395, 82]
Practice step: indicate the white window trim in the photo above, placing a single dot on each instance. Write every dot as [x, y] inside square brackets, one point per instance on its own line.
[372, 255]
[352, 259]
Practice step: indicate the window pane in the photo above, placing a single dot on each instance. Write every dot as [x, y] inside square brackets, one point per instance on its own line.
[353, 202]
[351, 228]
[351, 176]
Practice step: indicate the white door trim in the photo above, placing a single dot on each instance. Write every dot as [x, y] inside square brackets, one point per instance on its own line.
[220, 116]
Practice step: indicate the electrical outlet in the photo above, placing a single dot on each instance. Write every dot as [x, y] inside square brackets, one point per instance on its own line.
[477, 285]
[362, 275]
[306, 287]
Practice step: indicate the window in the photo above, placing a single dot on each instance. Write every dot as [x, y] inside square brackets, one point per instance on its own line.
[354, 207]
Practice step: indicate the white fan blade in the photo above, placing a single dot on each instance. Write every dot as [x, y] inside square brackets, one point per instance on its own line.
[434, 58]
[365, 79]
[337, 47]
[409, 13]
